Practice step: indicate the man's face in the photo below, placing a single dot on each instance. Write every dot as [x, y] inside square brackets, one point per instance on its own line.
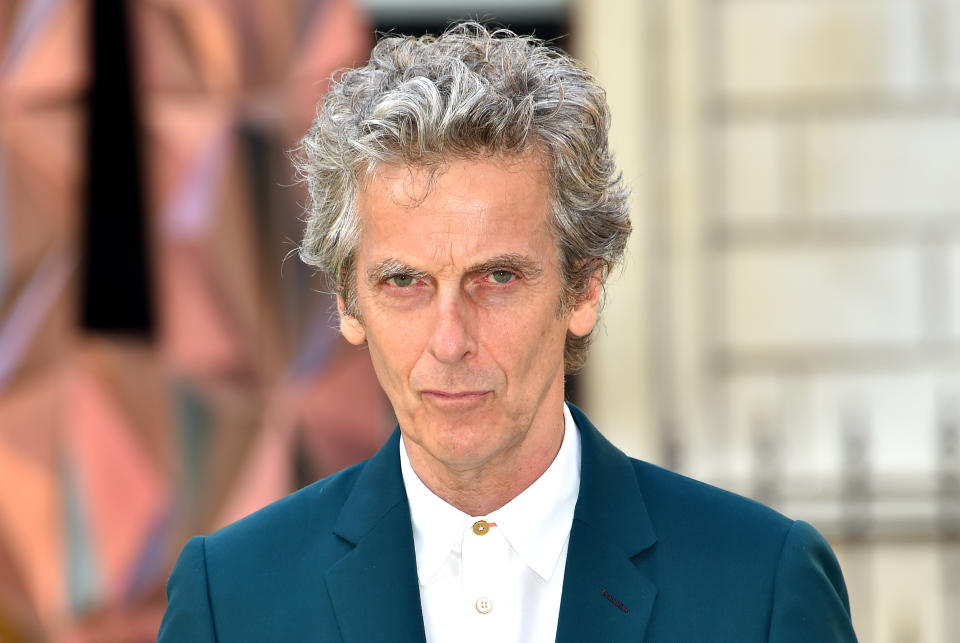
[459, 290]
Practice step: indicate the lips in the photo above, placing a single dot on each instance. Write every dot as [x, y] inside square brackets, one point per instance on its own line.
[454, 395]
[454, 400]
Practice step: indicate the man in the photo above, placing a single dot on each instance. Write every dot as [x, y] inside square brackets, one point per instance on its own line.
[466, 205]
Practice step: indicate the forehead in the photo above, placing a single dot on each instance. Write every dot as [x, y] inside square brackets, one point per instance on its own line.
[460, 210]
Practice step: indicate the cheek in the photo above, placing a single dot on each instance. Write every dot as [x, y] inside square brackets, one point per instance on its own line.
[524, 344]
[394, 354]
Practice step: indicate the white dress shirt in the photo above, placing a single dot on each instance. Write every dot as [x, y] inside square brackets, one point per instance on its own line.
[500, 581]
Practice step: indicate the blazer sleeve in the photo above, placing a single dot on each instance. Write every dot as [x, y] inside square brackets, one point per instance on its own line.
[810, 600]
[189, 615]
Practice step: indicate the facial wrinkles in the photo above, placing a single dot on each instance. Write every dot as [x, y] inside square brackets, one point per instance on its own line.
[476, 372]
[456, 379]
[479, 372]
[473, 372]
[450, 246]
[450, 240]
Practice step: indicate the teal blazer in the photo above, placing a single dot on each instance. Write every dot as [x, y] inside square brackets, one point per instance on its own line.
[653, 556]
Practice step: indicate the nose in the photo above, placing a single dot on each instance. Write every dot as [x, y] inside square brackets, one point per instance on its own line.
[452, 339]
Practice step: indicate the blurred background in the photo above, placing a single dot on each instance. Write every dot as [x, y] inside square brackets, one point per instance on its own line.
[787, 324]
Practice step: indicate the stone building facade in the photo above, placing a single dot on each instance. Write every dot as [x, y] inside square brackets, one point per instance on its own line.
[789, 320]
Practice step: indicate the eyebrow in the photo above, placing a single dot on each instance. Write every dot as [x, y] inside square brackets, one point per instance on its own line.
[512, 262]
[383, 270]
[391, 267]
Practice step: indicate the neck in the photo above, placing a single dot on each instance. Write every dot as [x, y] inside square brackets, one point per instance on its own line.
[481, 489]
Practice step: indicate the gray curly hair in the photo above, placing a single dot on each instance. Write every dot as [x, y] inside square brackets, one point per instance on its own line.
[467, 93]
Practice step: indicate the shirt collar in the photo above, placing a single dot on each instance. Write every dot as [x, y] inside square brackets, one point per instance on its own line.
[437, 526]
[536, 523]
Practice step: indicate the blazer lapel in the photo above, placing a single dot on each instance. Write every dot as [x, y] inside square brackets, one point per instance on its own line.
[605, 597]
[374, 588]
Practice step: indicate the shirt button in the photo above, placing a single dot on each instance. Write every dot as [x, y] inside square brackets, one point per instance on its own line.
[484, 605]
[480, 528]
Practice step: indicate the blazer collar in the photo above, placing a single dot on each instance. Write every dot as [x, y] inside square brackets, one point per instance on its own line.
[605, 597]
[373, 588]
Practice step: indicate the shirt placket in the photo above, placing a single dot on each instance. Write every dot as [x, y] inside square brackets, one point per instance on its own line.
[484, 567]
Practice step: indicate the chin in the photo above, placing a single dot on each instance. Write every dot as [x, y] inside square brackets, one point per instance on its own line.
[460, 446]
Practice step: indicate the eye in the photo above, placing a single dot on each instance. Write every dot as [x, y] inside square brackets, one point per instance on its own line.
[401, 281]
[502, 276]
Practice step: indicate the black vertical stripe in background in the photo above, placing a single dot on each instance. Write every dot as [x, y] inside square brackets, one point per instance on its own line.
[116, 295]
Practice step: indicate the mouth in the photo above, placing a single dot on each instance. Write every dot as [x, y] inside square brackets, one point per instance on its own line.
[454, 398]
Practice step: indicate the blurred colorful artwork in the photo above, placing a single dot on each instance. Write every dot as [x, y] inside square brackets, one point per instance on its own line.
[116, 447]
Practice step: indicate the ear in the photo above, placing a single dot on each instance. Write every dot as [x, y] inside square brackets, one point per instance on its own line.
[584, 315]
[350, 327]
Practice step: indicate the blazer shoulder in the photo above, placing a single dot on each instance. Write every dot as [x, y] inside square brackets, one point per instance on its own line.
[315, 506]
[189, 615]
[686, 515]
[265, 571]
[667, 492]
[810, 601]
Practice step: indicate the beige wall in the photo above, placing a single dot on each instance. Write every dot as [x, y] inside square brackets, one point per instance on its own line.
[788, 322]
